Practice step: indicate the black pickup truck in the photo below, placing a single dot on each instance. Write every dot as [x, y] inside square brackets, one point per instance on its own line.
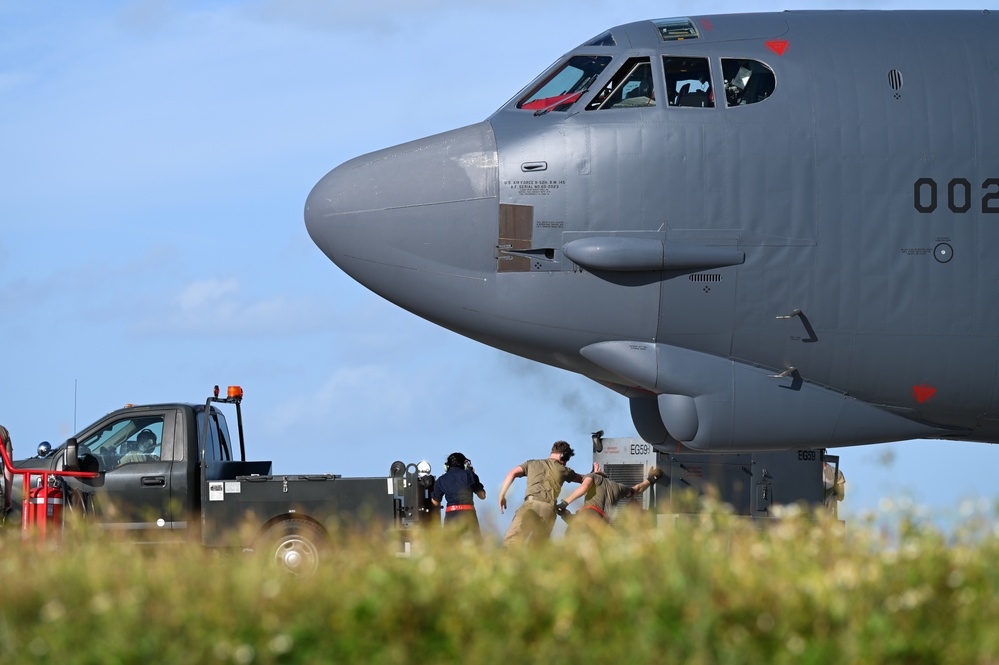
[171, 472]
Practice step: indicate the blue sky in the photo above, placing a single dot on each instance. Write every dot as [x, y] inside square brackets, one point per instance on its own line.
[155, 161]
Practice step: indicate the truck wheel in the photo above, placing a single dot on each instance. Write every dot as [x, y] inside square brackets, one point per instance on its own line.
[295, 546]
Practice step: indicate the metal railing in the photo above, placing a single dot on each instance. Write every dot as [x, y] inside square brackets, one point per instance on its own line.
[35, 506]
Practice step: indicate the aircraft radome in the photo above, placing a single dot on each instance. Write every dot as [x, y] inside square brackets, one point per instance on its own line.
[767, 231]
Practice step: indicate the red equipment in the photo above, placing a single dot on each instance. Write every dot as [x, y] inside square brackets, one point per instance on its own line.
[42, 505]
[45, 505]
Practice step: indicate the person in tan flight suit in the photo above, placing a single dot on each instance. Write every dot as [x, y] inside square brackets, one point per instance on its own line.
[536, 516]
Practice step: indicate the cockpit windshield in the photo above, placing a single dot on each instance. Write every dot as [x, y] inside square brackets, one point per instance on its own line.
[606, 39]
[631, 86]
[565, 84]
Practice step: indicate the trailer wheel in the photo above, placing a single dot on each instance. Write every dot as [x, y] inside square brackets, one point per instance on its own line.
[295, 546]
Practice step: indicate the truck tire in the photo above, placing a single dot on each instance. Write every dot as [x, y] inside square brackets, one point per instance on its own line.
[295, 546]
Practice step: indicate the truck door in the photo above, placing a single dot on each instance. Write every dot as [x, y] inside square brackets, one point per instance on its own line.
[134, 490]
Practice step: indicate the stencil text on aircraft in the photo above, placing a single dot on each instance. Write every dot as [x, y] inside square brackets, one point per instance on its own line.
[533, 187]
[958, 194]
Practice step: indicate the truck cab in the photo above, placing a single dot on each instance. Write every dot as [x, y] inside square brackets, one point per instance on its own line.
[149, 460]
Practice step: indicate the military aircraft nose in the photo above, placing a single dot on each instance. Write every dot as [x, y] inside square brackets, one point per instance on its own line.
[404, 219]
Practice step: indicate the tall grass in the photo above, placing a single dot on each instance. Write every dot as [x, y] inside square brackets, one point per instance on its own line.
[711, 589]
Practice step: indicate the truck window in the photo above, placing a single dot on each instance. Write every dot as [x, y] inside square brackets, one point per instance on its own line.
[217, 448]
[125, 441]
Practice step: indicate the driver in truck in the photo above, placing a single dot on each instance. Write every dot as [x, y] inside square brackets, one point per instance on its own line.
[143, 452]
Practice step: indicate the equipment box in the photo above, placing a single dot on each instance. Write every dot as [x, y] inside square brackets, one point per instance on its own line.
[751, 483]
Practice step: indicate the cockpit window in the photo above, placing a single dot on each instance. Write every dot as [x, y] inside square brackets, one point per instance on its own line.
[746, 81]
[631, 87]
[565, 85]
[606, 39]
[675, 29]
[688, 82]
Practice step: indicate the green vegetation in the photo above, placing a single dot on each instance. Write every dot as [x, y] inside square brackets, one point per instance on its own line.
[711, 589]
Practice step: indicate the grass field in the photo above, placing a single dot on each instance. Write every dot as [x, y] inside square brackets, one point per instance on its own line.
[708, 590]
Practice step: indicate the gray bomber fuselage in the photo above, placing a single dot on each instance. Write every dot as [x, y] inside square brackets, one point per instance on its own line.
[800, 259]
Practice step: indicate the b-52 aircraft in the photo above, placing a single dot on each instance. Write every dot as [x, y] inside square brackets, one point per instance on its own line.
[767, 231]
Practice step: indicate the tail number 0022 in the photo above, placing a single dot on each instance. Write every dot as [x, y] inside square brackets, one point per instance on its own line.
[925, 195]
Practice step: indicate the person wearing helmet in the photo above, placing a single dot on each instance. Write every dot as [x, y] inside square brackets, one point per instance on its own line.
[458, 486]
[536, 516]
[8, 475]
[145, 443]
[602, 494]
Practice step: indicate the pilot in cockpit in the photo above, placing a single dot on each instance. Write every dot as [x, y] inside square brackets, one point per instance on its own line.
[736, 86]
[641, 94]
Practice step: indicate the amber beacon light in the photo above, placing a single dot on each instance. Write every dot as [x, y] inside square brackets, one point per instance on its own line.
[235, 391]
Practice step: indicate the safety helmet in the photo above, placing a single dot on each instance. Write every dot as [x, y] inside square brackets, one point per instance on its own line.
[146, 440]
[457, 461]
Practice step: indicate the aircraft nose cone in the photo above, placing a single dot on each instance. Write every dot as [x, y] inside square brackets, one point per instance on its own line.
[400, 218]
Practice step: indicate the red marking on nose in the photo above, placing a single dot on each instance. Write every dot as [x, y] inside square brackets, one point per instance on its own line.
[778, 46]
[923, 392]
[707, 25]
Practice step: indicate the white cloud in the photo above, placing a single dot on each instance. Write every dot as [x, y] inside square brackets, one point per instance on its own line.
[206, 294]
[367, 393]
[222, 306]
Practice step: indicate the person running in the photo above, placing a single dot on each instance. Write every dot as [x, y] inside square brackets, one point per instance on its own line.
[535, 518]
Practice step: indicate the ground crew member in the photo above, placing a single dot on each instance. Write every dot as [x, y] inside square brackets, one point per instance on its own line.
[536, 516]
[458, 485]
[8, 475]
[602, 494]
